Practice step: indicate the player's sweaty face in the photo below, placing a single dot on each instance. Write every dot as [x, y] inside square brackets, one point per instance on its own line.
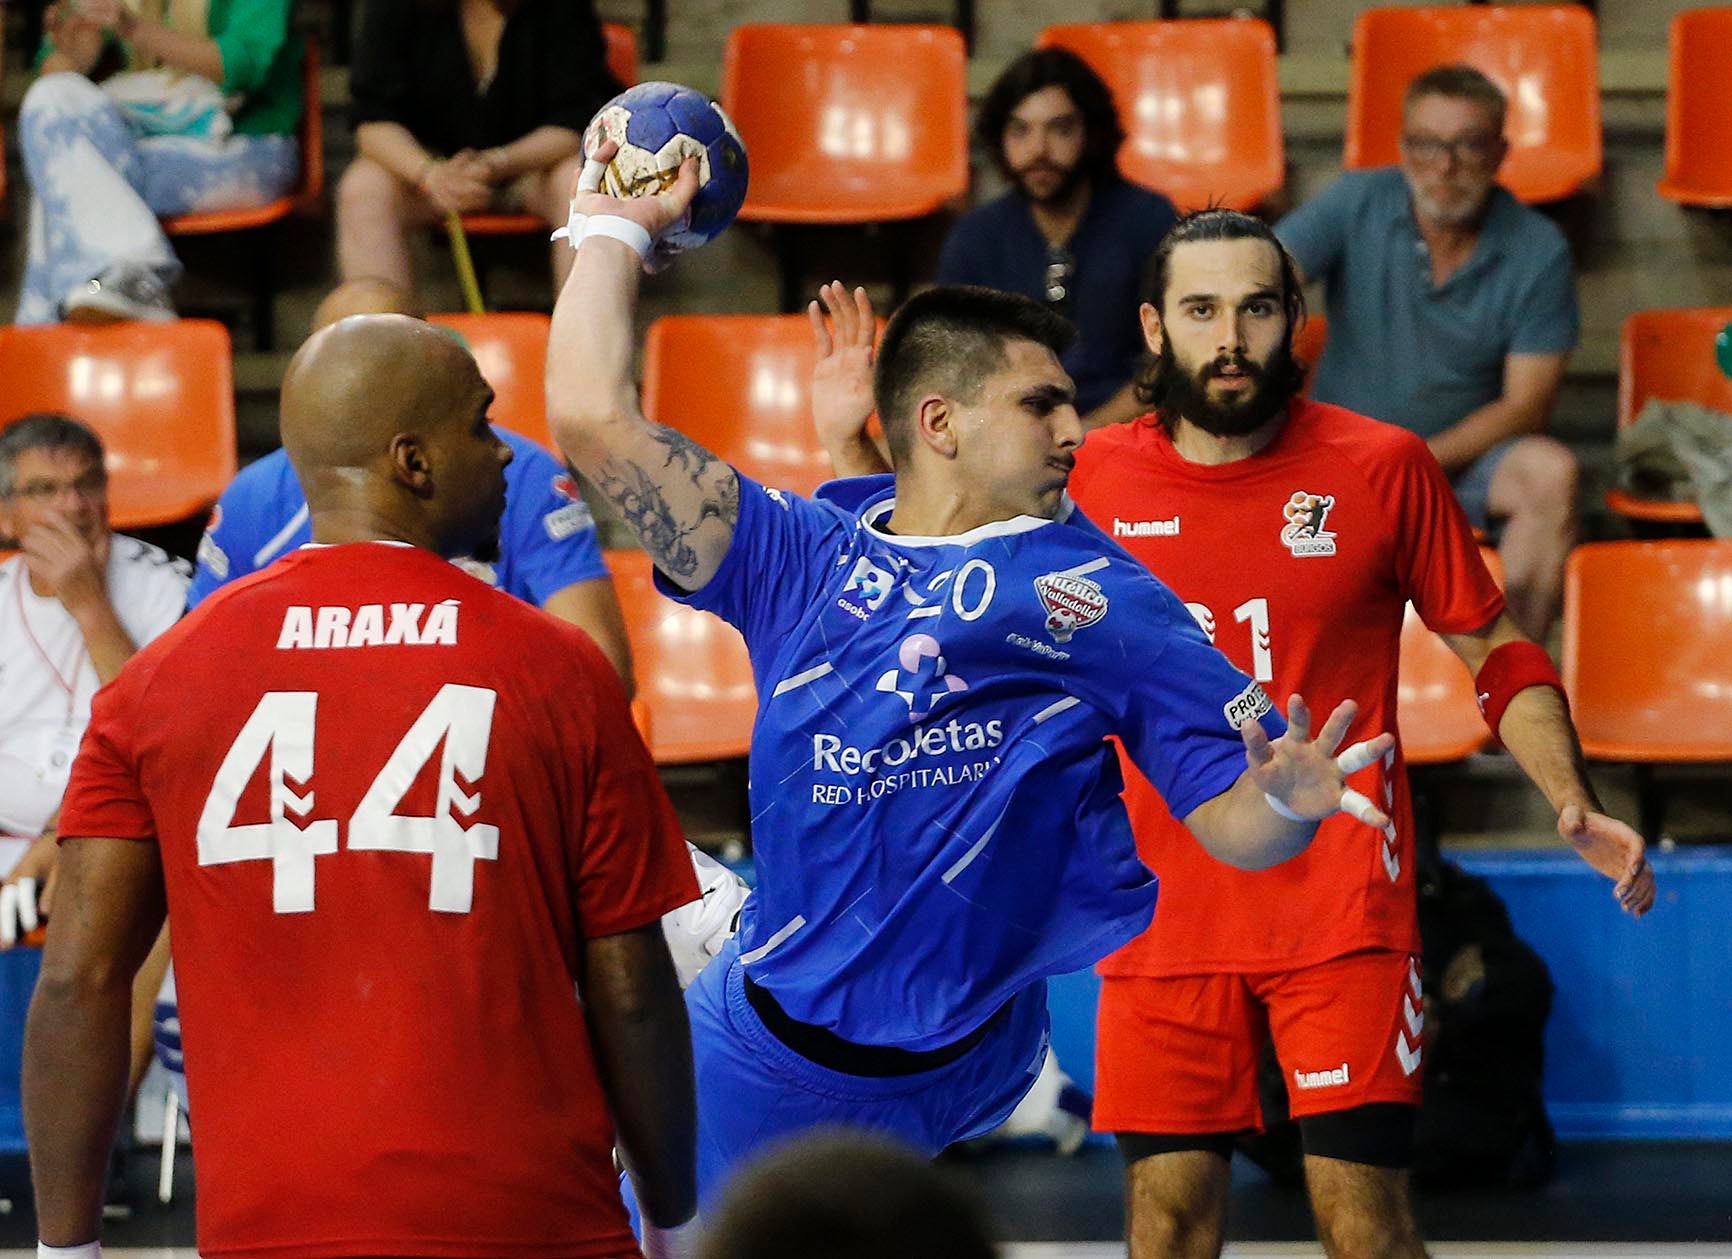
[1224, 322]
[55, 485]
[1043, 144]
[473, 493]
[1016, 443]
[1450, 153]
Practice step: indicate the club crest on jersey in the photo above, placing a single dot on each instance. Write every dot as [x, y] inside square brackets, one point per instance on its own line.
[1072, 602]
[1306, 515]
[922, 678]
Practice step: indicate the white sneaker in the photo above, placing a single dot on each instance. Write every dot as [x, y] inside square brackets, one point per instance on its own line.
[124, 291]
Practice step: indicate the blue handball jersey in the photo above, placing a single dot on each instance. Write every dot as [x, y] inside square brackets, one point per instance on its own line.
[935, 808]
[546, 540]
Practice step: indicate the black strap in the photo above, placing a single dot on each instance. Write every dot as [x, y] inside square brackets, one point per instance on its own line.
[822, 1046]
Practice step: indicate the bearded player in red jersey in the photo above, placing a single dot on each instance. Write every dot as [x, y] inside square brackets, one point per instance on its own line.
[1297, 533]
[402, 821]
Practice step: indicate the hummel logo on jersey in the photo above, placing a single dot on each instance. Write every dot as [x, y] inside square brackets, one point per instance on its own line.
[921, 680]
[1321, 1079]
[1145, 528]
[408, 625]
[1304, 533]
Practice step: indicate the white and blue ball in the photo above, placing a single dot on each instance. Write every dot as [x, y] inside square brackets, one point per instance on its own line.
[657, 126]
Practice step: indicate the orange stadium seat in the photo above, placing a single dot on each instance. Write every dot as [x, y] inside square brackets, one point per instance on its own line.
[621, 55]
[511, 350]
[1436, 712]
[848, 124]
[1544, 58]
[306, 195]
[1699, 109]
[741, 386]
[160, 394]
[1199, 101]
[1646, 667]
[1668, 354]
[694, 680]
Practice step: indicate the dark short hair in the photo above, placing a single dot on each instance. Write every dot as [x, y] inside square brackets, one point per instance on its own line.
[1042, 68]
[1211, 225]
[847, 1197]
[43, 430]
[1461, 83]
[952, 338]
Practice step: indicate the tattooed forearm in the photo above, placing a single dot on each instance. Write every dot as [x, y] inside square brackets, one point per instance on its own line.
[665, 506]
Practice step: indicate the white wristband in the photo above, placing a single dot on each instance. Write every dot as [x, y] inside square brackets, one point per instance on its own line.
[580, 227]
[680, 1242]
[90, 1250]
[1284, 811]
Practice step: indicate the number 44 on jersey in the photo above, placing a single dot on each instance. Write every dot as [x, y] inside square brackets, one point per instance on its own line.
[460, 718]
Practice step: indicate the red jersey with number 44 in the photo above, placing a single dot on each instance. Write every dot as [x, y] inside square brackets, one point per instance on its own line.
[392, 803]
[1298, 562]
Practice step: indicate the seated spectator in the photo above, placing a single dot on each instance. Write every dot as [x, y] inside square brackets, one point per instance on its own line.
[464, 106]
[846, 1196]
[1069, 232]
[204, 119]
[75, 603]
[548, 551]
[1452, 311]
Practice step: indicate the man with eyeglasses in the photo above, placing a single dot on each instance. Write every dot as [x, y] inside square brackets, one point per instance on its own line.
[1070, 232]
[76, 602]
[1452, 312]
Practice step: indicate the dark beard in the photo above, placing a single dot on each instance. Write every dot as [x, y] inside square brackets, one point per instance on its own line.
[1182, 394]
[1067, 186]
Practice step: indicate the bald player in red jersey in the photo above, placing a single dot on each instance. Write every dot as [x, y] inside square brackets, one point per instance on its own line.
[1296, 533]
[402, 821]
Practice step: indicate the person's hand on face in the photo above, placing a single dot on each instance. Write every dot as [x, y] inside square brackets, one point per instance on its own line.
[66, 563]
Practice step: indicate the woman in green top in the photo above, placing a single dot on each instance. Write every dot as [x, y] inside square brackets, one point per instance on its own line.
[203, 120]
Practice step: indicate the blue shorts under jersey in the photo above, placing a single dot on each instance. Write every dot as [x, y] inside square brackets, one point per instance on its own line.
[935, 808]
[547, 538]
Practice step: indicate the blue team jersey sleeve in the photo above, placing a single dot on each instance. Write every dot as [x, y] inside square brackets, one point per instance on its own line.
[1179, 701]
[243, 521]
[548, 538]
[783, 546]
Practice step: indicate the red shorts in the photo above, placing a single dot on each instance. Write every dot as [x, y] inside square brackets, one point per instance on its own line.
[1179, 1055]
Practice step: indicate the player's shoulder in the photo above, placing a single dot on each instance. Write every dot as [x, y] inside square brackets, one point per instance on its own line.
[264, 490]
[528, 457]
[1367, 443]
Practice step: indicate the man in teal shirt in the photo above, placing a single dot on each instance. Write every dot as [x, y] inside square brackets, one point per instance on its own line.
[1452, 312]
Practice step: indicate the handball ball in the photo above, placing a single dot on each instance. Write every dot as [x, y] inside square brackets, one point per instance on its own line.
[657, 126]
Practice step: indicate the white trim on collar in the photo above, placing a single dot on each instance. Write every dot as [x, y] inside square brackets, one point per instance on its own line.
[325, 546]
[980, 533]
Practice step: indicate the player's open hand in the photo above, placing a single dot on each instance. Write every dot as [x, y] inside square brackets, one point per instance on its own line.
[656, 214]
[1616, 851]
[842, 374]
[1305, 774]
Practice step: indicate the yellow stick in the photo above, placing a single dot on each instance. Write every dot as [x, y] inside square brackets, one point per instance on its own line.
[464, 263]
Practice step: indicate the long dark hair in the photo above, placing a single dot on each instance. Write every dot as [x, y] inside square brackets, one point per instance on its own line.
[1155, 379]
[1054, 67]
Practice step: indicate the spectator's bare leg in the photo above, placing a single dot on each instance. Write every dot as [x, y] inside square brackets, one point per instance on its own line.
[1362, 1212]
[1176, 1205]
[375, 211]
[1534, 492]
[547, 194]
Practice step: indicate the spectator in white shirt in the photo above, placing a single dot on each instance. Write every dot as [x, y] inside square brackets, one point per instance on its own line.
[76, 601]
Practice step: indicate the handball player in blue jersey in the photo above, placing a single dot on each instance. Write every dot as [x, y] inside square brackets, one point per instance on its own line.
[939, 658]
